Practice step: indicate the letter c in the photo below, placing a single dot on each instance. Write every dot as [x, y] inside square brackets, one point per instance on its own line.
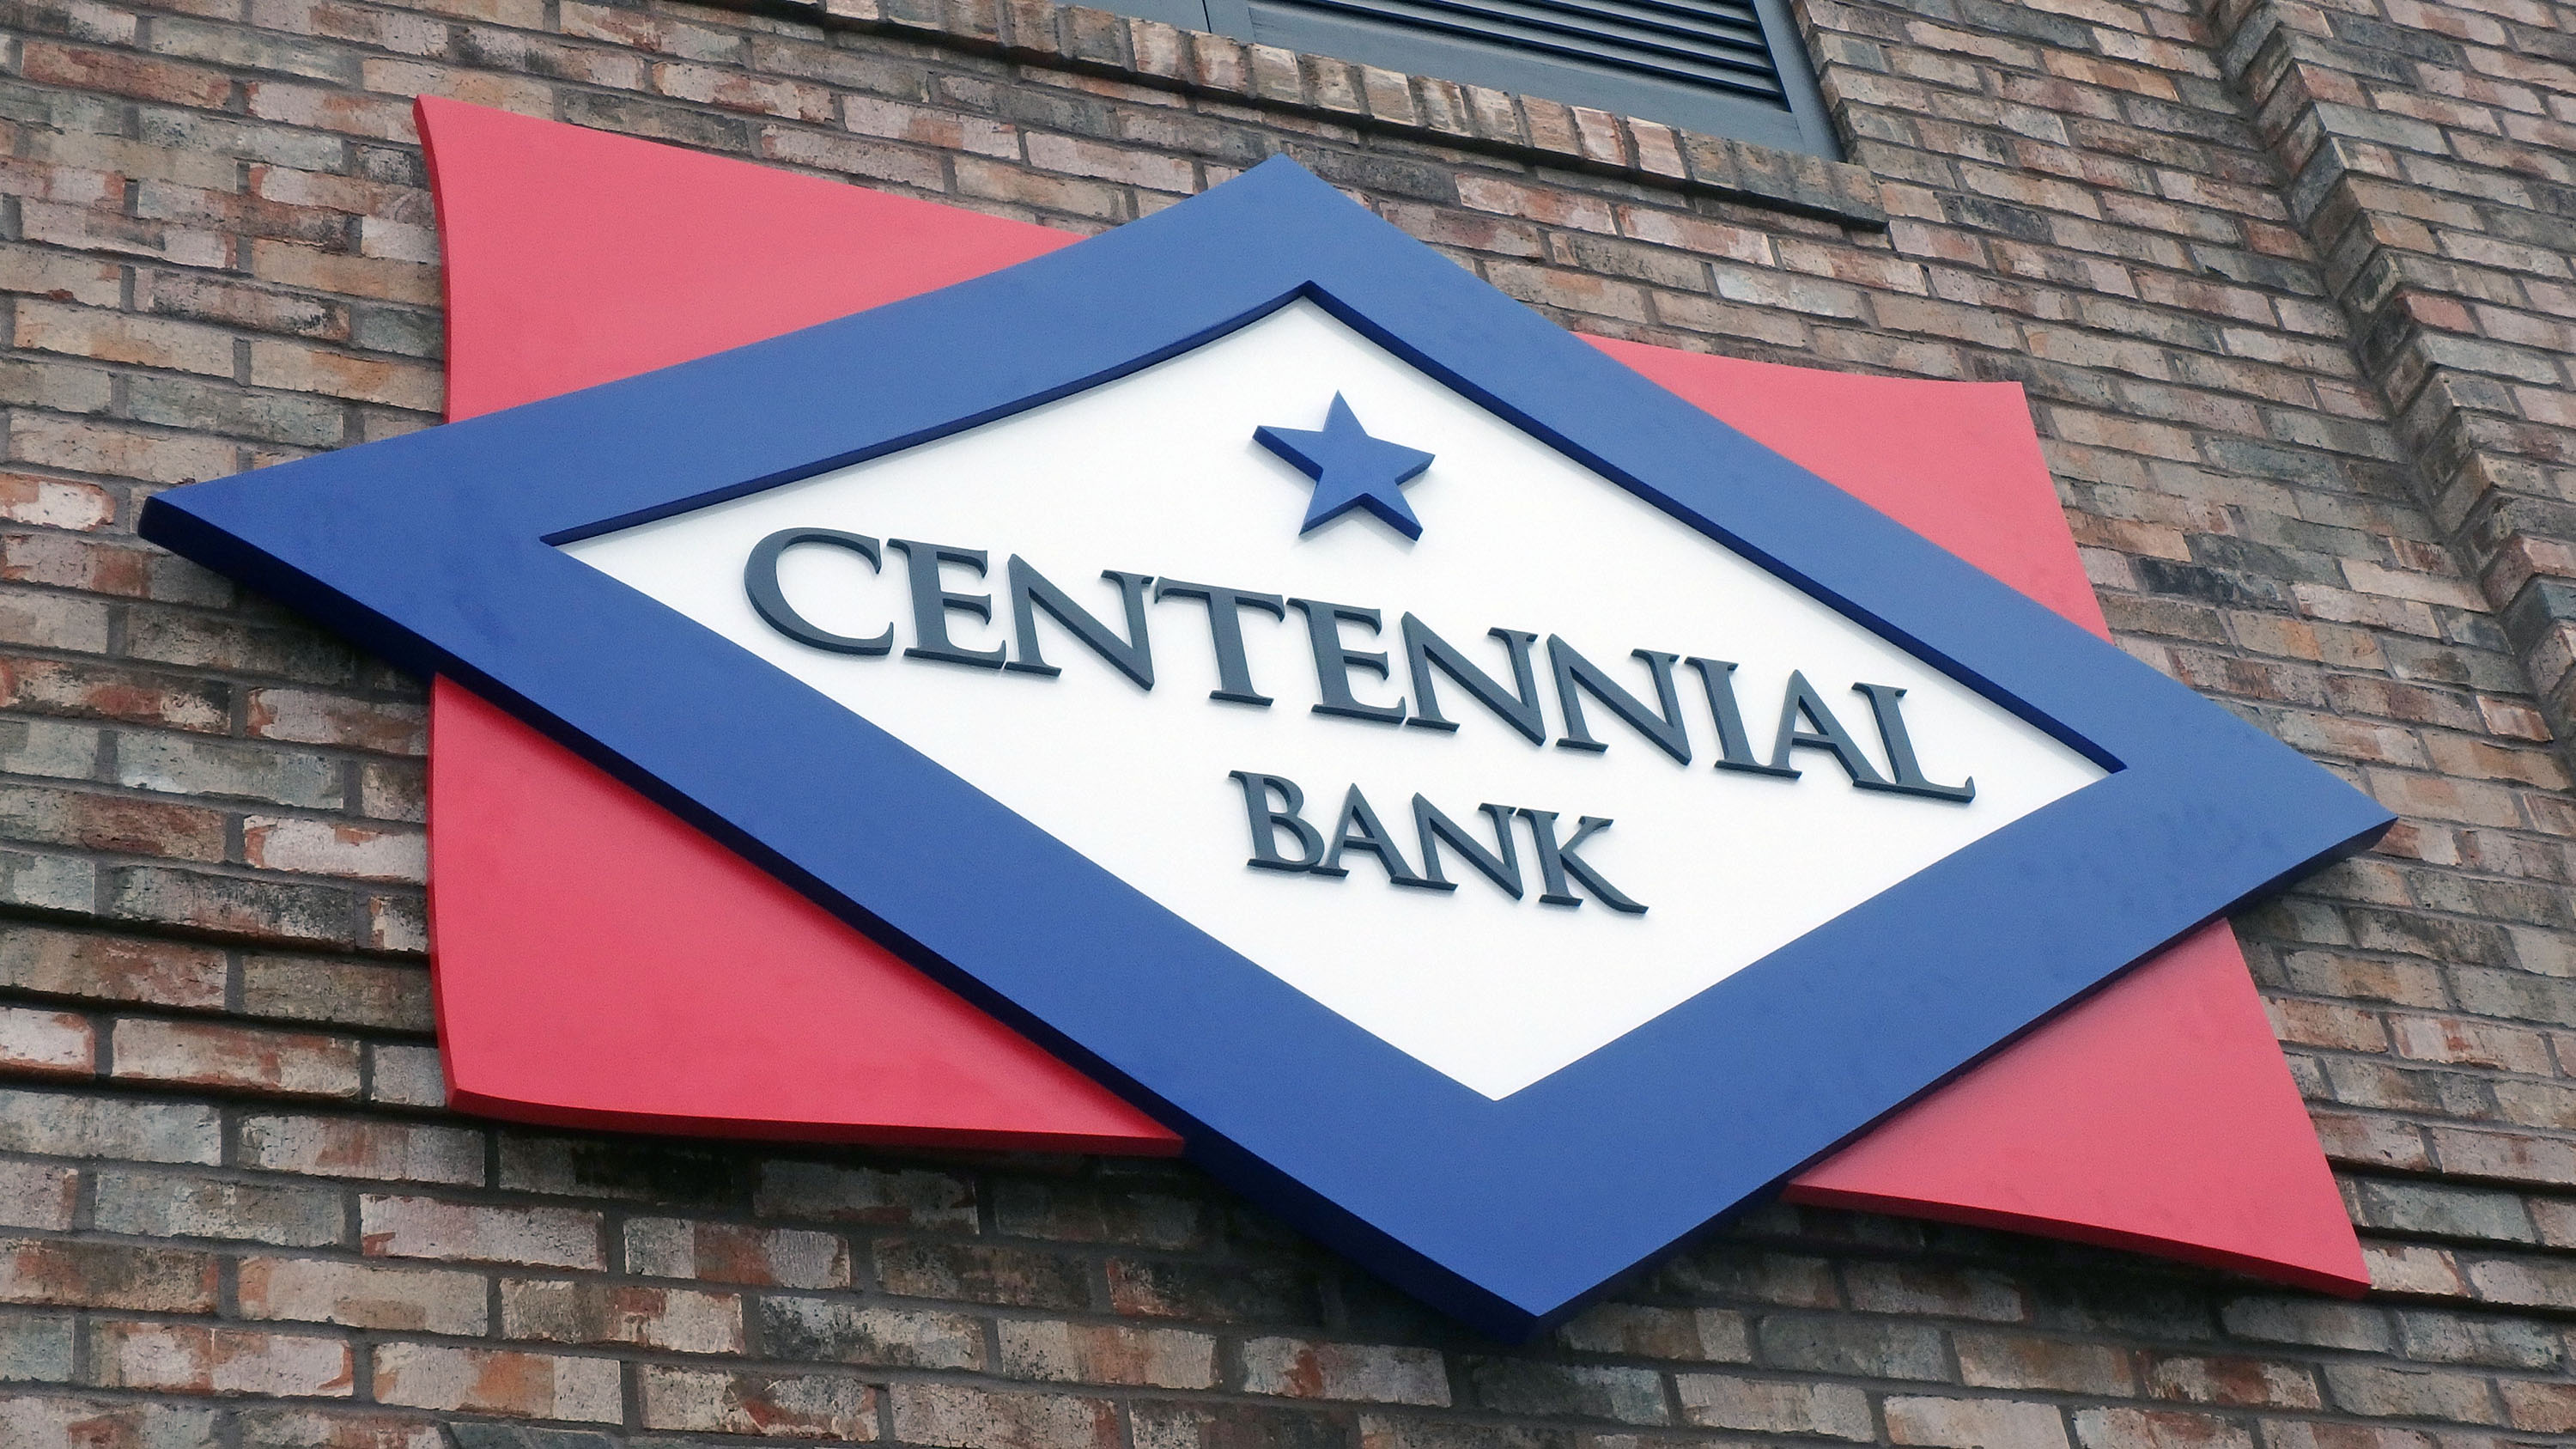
[760, 581]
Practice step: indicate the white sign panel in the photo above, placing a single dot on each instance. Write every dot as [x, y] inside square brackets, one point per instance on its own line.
[1159, 474]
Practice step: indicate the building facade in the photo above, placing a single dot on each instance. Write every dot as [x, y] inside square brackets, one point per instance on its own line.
[2291, 287]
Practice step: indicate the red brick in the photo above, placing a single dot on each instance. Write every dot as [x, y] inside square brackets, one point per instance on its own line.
[116, 451]
[956, 1416]
[1077, 157]
[851, 156]
[678, 1319]
[111, 824]
[106, 1275]
[121, 337]
[731, 1253]
[75, 561]
[55, 502]
[1176, 1359]
[374, 117]
[498, 1381]
[208, 1054]
[1975, 1423]
[113, 968]
[38, 1195]
[194, 1359]
[2157, 1429]
[123, 74]
[1288, 1367]
[37, 272]
[356, 1147]
[364, 1295]
[326, 271]
[2240, 1382]
[46, 1043]
[88, 229]
[47, 1420]
[332, 848]
[420, 1227]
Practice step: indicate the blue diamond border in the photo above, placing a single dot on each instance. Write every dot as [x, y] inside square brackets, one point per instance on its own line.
[435, 550]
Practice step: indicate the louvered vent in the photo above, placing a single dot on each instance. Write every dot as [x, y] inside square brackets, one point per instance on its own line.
[1695, 42]
[1724, 67]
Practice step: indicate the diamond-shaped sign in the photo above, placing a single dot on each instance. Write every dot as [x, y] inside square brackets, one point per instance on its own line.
[960, 615]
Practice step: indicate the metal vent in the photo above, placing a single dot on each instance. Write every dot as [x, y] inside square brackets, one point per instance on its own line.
[1696, 42]
[1728, 68]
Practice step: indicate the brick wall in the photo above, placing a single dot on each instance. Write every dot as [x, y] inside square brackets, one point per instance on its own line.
[2288, 285]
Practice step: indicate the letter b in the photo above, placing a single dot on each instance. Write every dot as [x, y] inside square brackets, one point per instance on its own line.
[1267, 822]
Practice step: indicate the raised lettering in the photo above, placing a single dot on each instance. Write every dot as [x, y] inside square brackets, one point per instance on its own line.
[1225, 630]
[1574, 672]
[931, 602]
[1334, 661]
[1267, 822]
[1031, 591]
[1517, 707]
[760, 581]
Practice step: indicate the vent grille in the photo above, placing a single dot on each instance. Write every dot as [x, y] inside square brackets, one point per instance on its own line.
[1695, 42]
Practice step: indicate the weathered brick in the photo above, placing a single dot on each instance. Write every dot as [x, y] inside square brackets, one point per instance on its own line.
[116, 1127]
[206, 1054]
[345, 992]
[46, 1420]
[901, 1198]
[1997, 1361]
[1709, 1335]
[1516, 1386]
[1774, 1407]
[35, 1348]
[1284, 1297]
[728, 1253]
[334, 848]
[119, 337]
[308, 717]
[2156, 1429]
[1300, 1368]
[836, 1331]
[1975, 1423]
[180, 765]
[982, 1273]
[1846, 1346]
[106, 1275]
[1109, 1354]
[797, 1405]
[195, 1359]
[37, 1195]
[405, 1076]
[36, 1043]
[311, 1427]
[958, 1415]
[422, 1227]
[654, 1172]
[363, 1295]
[678, 1319]
[1091, 1212]
[167, 1205]
[498, 1381]
[2411, 1393]
[1171, 1424]
[361, 1148]
[123, 74]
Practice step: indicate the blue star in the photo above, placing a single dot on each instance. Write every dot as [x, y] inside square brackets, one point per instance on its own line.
[1350, 469]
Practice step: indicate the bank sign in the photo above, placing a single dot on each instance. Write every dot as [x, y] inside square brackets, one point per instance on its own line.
[1500, 816]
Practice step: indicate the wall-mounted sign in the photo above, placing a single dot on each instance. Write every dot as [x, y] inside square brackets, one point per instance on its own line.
[1490, 809]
